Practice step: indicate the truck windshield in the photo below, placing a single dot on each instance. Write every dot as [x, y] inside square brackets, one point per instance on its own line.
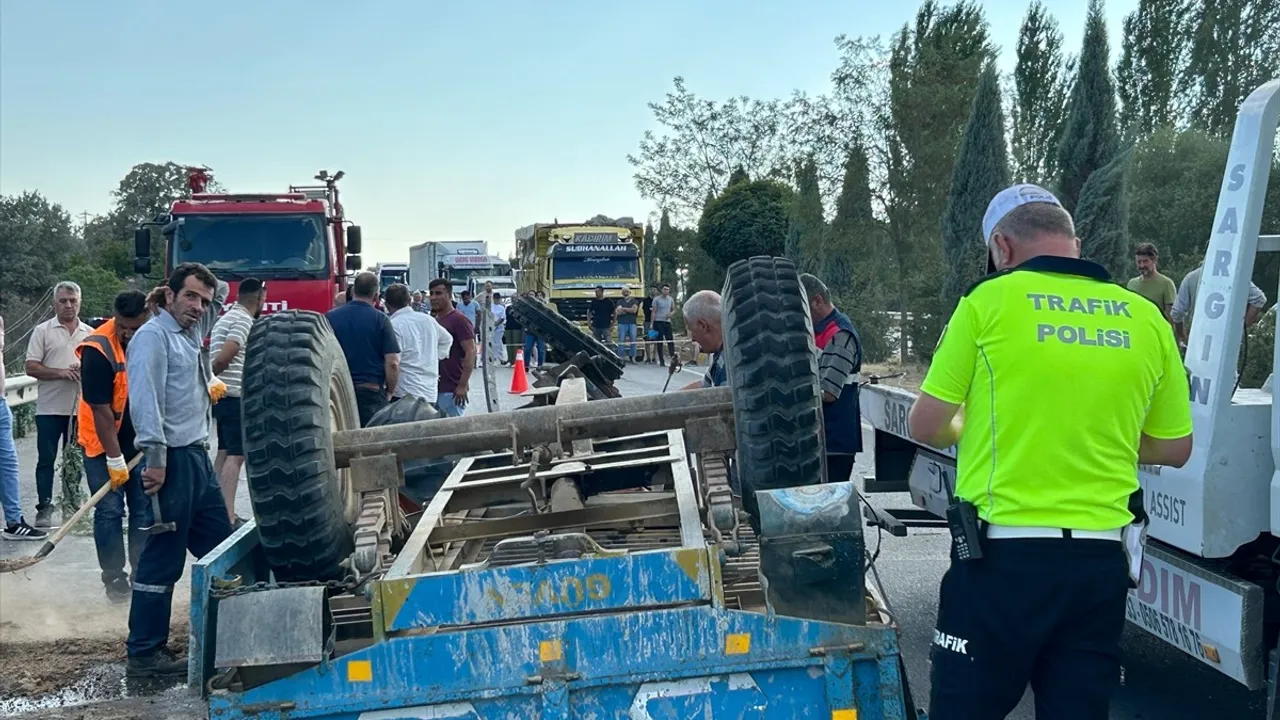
[391, 277]
[579, 268]
[266, 245]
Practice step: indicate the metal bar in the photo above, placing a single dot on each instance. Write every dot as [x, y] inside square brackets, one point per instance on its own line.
[1268, 243]
[20, 390]
[475, 433]
[584, 517]
[410, 559]
[686, 496]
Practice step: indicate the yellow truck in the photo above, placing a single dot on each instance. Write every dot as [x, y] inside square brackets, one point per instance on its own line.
[568, 261]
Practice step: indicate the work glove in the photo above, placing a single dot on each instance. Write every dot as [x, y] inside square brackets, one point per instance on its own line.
[217, 390]
[118, 471]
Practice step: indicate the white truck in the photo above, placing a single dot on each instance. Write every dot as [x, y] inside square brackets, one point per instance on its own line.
[390, 273]
[456, 260]
[1210, 583]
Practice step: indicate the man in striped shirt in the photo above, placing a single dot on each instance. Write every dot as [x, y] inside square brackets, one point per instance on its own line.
[839, 371]
[227, 343]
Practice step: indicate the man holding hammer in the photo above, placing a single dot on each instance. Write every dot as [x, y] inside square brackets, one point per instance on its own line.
[171, 391]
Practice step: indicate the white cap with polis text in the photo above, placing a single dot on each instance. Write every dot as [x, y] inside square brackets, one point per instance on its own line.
[1012, 197]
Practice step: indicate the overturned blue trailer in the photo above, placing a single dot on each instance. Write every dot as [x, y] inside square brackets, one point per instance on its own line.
[580, 560]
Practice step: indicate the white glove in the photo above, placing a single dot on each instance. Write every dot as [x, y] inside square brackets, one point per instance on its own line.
[118, 471]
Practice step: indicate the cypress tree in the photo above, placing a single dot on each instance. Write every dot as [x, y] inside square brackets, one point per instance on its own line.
[1040, 90]
[807, 229]
[981, 171]
[1153, 57]
[1102, 216]
[1089, 138]
[854, 264]
[739, 175]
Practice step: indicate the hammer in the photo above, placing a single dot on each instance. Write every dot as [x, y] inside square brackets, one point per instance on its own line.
[160, 526]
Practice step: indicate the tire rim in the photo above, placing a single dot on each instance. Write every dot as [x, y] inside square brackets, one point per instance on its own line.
[340, 419]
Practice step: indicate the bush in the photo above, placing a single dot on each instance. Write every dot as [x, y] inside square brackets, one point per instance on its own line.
[750, 218]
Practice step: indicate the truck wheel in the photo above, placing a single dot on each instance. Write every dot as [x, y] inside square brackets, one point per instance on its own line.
[296, 393]
[772, 366]
[563, 336]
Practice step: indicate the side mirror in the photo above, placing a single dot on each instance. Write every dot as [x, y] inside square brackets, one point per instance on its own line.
[353, 263]
[353, 241]
[142, 243]
[142, 265]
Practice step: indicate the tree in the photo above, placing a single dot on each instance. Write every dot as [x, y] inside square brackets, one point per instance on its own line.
[98, 288]
[1040, 96]
[807, 229]
[1235, 48]
[1102, 216]
[702, 142]
[981, 171]
[651, 255]
[1089, 139]
[853, 262]
[38, 240]
[748, 219]
[1152, 63]
[739, 176]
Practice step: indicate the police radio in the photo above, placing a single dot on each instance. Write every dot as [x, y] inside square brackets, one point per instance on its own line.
[962, 521]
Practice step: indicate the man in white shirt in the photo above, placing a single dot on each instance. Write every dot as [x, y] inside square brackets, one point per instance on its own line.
[423, 343]
[499, 312]
[227, 344]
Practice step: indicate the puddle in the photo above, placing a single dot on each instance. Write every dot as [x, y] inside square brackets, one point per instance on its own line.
[100, 682]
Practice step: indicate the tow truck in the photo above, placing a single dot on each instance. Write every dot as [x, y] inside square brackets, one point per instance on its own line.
[571, 559]
[1210, 583]
[299, 242]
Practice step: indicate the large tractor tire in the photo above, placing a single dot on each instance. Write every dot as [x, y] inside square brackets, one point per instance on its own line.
[566, 338]
[772, 366]
[297, 393]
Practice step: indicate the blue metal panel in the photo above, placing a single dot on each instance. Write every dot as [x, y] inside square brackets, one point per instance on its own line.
[635, 580]
[741, 664]
[224, 560]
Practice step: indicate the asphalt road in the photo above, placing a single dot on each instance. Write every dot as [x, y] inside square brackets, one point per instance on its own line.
[1160, 683]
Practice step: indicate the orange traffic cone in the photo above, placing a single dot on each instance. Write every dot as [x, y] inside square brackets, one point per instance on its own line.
[519, 383]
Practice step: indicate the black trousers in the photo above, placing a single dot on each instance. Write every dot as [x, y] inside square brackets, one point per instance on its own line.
[51, 434]
[839, 467]
[664, 333]
[369, 401]
[191, 499]
[1044, 612]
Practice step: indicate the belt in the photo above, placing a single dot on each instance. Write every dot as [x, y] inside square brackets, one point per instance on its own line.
[1007, 532]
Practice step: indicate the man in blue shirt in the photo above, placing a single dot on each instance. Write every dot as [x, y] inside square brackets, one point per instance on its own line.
[369, 343]
[170, 390]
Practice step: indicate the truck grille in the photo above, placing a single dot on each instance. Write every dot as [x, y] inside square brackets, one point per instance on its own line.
[574, 309]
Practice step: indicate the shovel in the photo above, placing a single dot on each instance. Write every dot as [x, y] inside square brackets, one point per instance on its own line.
[8, 566]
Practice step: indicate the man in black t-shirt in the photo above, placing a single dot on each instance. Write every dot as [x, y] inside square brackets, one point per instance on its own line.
[601, 312]
[106, 433]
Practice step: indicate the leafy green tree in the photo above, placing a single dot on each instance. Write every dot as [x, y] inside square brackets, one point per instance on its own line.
[748, 219]
[853, 262]
[1102, 216]
[807, 229]
[37, 238]
[981, 171]
[1152, 63]
[1235, 48]
[1040, 96]
[1089, 138]
[98, 288]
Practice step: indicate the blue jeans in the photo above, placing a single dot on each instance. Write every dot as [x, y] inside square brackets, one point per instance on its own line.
[445, 402]
[627, 337]
[8, 468]
[529, 340]
[190, 498]
[109, 513]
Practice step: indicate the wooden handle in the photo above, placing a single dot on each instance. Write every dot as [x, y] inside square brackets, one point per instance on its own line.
[93, 500]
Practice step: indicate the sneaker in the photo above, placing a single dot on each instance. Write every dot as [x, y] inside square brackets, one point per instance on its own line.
[160, 664]
[22, 531]
[44, 517]
[119, 590]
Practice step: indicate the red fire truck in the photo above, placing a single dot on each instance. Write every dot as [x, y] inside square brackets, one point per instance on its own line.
[299, 242]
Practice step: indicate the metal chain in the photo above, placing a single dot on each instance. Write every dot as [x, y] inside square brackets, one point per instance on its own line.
[346, 584]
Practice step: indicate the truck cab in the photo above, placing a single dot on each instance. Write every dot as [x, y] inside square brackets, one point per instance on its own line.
[568, 262]
[391, 273]
[298, 242]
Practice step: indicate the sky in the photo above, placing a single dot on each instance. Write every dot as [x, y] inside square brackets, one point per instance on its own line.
[451, 120]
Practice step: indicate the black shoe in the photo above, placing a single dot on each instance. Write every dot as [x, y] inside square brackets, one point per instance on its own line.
[119, 590]
[22, 531]
[160, 664]
[44, 517]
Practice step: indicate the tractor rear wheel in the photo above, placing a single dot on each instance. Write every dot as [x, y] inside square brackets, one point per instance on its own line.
[772, 365]
[297, 392]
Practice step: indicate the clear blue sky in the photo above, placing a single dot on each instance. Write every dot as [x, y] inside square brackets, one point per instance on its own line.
[450, 119]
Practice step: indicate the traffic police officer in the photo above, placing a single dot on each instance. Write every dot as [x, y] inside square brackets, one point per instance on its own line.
[1068, 381]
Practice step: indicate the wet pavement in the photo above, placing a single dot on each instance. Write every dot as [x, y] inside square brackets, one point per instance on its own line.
[58, 605]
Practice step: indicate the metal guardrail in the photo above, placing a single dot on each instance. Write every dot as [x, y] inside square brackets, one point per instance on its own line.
[20, 390]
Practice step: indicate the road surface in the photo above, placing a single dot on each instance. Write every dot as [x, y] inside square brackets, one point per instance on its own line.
[62, 598]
